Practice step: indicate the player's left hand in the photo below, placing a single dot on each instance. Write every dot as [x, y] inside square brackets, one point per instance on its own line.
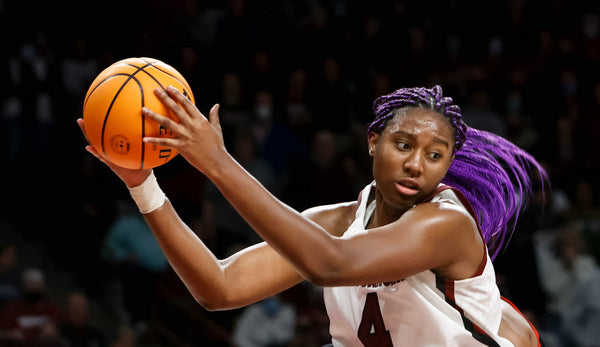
[130, 177]
[198, 139]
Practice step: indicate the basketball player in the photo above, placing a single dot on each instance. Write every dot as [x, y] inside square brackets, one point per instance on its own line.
[406, 264]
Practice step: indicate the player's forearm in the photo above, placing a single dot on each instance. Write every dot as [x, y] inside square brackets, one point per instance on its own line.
[301, 241]
[215, 283]
[194, 263]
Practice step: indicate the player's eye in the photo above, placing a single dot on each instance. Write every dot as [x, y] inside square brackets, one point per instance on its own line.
[403, 145]
[435, 155]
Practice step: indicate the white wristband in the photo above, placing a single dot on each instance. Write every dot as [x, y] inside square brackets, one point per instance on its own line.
[148, 196]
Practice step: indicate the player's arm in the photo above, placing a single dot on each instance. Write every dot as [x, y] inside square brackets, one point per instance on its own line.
[246, 277]
[424, 238]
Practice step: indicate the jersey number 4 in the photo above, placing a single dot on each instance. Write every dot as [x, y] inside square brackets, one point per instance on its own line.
[371, 330]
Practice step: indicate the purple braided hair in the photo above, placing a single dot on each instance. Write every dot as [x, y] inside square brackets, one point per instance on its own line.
[430, 98]
[493, 173]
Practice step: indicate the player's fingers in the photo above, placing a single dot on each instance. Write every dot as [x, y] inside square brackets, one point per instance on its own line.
[166, 122]
[163, 141]
[118, 170]
[92, 150]
[81, 124]
[185, 102]
[213, 116]
[177, 110]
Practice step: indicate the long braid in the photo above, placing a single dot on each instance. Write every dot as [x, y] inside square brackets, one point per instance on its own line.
[493, 173]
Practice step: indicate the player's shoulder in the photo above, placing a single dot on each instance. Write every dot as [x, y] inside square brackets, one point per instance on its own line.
[446, 212]
[440, 215]
[335, 218]
[448, 202]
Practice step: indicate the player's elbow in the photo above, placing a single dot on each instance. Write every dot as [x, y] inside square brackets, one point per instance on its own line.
[327, 278]
[326, 270]
[218, 299]
[215, 303]
[322, 279]
[210, 304]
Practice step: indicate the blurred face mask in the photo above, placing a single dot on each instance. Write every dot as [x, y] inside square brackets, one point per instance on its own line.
[263, 112]
[271, 306]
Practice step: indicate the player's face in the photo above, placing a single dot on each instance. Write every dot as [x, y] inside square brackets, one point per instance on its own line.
[411, 155]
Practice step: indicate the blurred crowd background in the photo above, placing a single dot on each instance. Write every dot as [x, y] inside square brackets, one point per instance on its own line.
[295, 81]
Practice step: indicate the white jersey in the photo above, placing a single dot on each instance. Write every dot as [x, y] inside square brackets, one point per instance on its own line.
[421, 310]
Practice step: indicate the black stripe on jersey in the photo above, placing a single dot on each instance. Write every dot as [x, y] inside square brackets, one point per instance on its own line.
[447, 288]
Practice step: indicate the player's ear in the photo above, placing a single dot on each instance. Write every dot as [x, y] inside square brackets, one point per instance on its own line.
[372, 139]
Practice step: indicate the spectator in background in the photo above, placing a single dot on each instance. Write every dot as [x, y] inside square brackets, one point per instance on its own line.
[28, 108]
[297, 109]
[588, 129]
[569, 119]
[233, 103]
[312, 322]
[586, 213]
[480, 114]
[125, 337]
[276, 143]
[140, 263]
[77, 329]
[262, 75]
[329, 91]
[268, 323]
[30, 320]
[9, 276]
[564, 265]
[582, 314]
[26, 123]
[519, 126]
[79, 69]
[322, 178]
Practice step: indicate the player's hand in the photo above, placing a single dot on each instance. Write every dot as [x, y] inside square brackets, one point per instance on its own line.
[130, 177]
[198, 139]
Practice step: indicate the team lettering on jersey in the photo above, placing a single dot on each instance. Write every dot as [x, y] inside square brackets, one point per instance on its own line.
[382, 284]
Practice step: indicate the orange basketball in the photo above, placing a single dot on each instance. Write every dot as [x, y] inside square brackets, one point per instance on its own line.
[112, 111]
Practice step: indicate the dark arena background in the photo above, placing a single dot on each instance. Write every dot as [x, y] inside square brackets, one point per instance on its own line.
[295, 80]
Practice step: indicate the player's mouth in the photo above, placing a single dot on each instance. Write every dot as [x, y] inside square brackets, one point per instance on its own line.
[407, 187]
